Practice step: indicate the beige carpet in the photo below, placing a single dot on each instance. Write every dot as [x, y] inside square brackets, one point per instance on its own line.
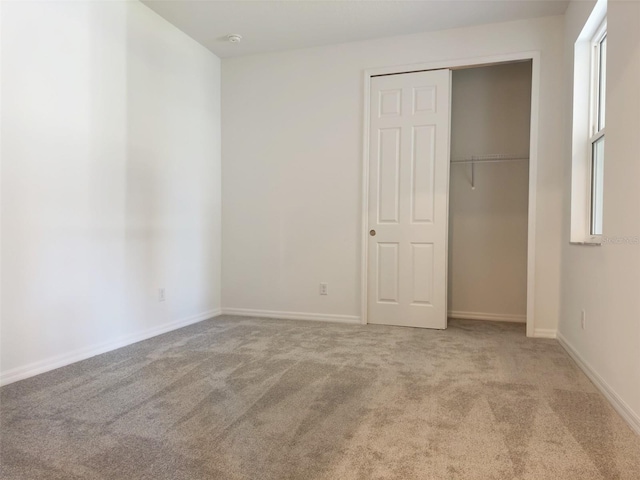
[237, 398]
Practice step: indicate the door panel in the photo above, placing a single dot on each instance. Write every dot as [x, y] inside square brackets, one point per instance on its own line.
[423, 155]
[389, 178]
[388, 264]
[422, 266]
[408, 197]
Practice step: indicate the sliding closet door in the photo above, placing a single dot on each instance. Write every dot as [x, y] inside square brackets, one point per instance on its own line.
[408, 195]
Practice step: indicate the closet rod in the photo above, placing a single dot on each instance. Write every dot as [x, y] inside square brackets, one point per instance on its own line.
[486, 159]
[490, 159]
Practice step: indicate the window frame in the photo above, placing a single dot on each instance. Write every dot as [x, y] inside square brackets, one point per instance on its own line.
[598, 81]
[583, 133]
[597, 128]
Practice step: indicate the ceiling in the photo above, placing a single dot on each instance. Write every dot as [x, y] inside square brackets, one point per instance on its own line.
[268, 26]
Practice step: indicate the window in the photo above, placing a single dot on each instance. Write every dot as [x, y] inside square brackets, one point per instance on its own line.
[598, 106]
[588, 133]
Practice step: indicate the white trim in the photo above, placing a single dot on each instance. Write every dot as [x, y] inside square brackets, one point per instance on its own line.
[36, 368]
[533, 191]
[545, 333]
[625, 411]
[453, 64]
[494, 317]
[364, 245]
[448, 203]
[318, 317]
[534, 56]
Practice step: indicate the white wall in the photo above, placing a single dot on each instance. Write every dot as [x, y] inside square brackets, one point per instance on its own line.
[490, 114]
[292, 165]
[110, 180]
[605, 280]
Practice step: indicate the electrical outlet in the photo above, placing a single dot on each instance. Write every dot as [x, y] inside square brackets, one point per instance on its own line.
[161, 295]
[583, 320]
[324, 289]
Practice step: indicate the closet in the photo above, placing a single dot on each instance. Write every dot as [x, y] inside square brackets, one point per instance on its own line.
[488, 192]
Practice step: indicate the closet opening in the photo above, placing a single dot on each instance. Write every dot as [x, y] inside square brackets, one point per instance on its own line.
[470, 208]
[489, 192]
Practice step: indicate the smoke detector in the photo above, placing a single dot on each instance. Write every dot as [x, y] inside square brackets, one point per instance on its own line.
[234, 38]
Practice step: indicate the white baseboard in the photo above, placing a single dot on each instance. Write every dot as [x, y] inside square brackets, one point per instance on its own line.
[36, 368]
[545, 333]
[495, 317]
[319, 317]
[625, 411]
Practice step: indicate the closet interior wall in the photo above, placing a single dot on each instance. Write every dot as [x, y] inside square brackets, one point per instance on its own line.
[490, 114]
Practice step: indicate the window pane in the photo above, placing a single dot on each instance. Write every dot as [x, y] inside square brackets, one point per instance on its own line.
[597, 185]
[602, 83]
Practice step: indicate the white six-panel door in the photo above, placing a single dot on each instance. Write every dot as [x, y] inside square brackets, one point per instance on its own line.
[408, 199]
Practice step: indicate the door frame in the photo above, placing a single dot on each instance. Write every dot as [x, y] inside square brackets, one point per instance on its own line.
[475, 62]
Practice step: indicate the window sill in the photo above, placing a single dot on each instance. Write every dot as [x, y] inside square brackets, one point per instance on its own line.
[588, 243]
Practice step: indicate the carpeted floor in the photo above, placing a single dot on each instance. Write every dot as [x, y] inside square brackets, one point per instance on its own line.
[237, 398]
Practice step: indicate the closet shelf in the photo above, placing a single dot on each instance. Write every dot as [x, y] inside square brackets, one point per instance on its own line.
[474, 160]
[491, 159]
